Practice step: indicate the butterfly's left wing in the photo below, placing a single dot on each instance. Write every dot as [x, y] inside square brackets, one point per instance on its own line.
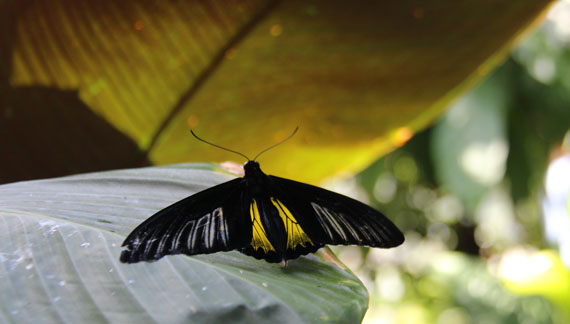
[330, 218]
[207, 222]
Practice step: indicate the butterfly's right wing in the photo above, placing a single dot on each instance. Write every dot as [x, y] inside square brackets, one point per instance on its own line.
[207, 222]
[330, 218]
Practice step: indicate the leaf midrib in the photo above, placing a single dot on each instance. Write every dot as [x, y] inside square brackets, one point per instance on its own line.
[206, 73]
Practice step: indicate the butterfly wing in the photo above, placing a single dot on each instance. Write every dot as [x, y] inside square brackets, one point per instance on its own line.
[330, 218]
[207, 222]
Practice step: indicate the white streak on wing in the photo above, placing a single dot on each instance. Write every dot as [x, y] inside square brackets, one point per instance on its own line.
[373, 232]
[324, 212]
[335, 224]
[193, 234]
[176, 239]
[222, 227]
[365, 231]
[324, 224]
[226, 232]
[349, 226]
[212, 228]
[206, 229]
[378, 230]
[162, 242]
[203, 223]
[384, 232]
[150, 241]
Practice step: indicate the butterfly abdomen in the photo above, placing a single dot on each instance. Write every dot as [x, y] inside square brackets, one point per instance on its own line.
[267, 226]
[276, 233]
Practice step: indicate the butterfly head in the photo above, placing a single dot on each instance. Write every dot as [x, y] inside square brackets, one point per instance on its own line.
[251, 167]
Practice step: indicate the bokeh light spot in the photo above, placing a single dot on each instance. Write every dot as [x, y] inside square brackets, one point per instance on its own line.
[405, 169]
[544, 69]
[389, 284]
[385, 188]
[139, 25]
[418, 13]
[402, 135]
[447, 209]
[192, 121]
[230, 53]
[485, 162]
[520, 265]
[453, 316]
[276, 30]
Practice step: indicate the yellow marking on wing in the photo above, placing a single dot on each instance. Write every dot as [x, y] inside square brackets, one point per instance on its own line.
[259, 238]
[295, 234]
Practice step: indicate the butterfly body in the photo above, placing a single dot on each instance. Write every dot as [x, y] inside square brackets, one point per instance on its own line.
[260, 215]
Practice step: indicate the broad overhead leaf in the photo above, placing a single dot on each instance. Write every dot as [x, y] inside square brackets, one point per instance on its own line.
[59, 260]
[359, 78]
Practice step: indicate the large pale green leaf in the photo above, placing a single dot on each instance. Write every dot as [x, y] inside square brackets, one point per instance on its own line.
[358, 77]
[59, 260]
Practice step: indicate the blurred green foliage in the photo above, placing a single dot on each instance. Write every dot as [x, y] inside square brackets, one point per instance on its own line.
[468, 193]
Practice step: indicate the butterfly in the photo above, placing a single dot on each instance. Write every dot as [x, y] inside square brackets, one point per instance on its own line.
[260, 215]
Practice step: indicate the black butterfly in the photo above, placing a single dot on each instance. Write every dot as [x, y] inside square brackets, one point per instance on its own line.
[260, 215]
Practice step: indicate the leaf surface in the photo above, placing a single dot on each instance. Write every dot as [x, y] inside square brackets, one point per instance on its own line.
[60, 260]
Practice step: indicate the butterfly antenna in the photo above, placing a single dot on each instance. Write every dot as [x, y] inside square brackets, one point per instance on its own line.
[221, 147]
[278, 143]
